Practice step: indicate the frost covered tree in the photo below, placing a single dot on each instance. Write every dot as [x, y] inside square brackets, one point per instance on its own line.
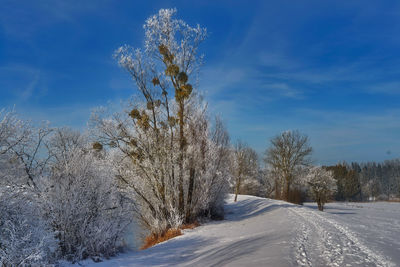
[322, 185]
[24, 142]
[245, 167]
[83, 204]
[267, 180]
[170, 159]
[254, 184]
[288, 153]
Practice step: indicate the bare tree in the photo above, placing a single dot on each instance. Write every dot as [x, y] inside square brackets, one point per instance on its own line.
[245, 165]
[288, 152]
[62, 142]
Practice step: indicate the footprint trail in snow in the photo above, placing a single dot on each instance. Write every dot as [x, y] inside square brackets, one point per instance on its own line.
[321, 241]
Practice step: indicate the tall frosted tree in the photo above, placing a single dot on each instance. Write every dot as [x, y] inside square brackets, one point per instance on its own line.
[169, 156]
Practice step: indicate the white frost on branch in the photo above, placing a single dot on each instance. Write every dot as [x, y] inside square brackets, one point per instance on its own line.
[322, 185]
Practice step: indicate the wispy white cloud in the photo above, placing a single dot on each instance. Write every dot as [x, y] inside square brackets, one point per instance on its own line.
[28, 82]
[334, 135]
[23, 19]
[27, 92]
[75, 116]
[119, 84]
[221, 79]
[277, 60]
[350, 136]
[243, 84]
[390, 88]
[283, 89]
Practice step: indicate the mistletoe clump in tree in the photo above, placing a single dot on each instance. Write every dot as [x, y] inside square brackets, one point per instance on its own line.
[170, 159]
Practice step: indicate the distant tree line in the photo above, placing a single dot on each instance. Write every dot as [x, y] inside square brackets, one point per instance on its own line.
[289, 174]
[367, 181]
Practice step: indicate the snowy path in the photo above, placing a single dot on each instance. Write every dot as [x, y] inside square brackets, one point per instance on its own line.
[264, 232]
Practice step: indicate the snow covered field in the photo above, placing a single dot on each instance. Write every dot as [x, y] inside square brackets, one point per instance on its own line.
[264, 232]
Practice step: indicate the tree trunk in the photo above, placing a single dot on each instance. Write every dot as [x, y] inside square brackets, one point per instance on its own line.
[181, 204]
[277, 189]
[320, 205]
[286, 190]
[190, 195]
[237, 188]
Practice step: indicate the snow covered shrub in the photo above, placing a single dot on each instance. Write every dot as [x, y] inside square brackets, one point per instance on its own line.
[267, 182]
[322, 185]
[25, 238]
[169, 158]
[84, 205]
[251, 187]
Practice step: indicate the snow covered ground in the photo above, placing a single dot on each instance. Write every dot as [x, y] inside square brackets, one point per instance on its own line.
[356, 234]
[265, 232]
[372, 228]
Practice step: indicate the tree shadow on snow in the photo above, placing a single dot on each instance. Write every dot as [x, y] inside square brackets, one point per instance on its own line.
[232, 251]
[341, 213]
[198, 251]
[332, 210]
[326, 207]
[170, 253]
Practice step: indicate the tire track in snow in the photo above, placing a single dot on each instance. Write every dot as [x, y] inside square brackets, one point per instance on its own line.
[337, 245]
[302, 246]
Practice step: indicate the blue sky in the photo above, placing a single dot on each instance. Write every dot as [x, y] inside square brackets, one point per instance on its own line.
[330, 69]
